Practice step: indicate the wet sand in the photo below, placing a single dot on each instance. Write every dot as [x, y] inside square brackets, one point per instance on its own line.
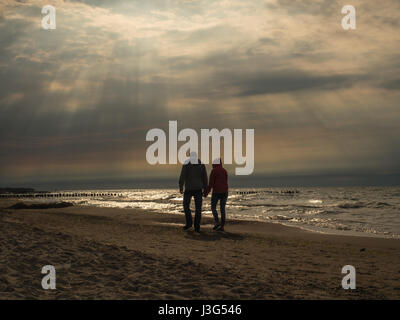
[104, 253]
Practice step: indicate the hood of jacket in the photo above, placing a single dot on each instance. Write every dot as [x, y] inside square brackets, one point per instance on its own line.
[217, 163]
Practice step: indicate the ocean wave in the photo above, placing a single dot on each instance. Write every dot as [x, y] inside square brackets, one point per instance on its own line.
[379, 205]
[360, 204]
[280, 217]
[350, 205]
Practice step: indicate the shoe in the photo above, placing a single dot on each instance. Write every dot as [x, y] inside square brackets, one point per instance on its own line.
[197, 230]
[216, 227]
[220, 228]
[186, 227]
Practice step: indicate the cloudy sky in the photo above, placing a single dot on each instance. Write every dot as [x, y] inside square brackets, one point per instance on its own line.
[76, 102]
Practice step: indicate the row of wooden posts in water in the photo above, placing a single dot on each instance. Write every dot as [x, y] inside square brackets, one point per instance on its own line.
[112, 194]
[61, 195]
[269, 191]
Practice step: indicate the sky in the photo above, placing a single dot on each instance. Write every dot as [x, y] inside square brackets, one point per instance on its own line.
[76, 102]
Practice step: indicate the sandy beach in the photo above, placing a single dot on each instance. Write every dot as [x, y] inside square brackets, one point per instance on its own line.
[107, 253]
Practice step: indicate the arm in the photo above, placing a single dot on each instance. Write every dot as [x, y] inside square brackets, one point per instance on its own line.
[204, 177]
[211, 183]
[182, 178]
[226, 174]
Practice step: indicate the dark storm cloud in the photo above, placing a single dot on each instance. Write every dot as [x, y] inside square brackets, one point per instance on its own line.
[244, 74]
[393, 84]
[286, 81]
[11, 33]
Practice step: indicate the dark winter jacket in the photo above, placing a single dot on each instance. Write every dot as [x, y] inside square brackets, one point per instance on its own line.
[218, 179]
[193, 177]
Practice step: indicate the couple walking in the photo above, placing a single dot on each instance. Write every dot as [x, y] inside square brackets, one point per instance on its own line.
[194, 179]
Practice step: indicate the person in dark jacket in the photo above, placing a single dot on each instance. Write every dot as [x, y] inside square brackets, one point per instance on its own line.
[219, 185]
[194, 178]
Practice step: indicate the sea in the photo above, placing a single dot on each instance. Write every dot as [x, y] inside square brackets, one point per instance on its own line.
[366, 211]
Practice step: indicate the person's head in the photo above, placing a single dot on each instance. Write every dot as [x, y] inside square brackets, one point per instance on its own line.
[217, 162]
[193, 158]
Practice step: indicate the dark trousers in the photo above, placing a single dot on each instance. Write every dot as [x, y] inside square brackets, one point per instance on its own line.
[198, 201]
[222, 197]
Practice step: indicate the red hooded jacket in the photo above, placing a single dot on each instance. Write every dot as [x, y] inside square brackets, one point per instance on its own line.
[218, 179]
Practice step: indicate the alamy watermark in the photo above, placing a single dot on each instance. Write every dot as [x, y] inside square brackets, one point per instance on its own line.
[49, 20]
[349, 20]
[233, 145]
[49, 280]
[349, 280]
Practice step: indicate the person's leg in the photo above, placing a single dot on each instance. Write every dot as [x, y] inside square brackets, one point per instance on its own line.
[186, 208]
[214, 201]
[198, 201]
[222, 203]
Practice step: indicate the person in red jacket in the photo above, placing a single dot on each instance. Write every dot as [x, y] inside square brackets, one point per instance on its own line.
[219, 184]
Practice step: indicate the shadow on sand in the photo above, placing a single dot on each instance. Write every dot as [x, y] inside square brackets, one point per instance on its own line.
[212, 236]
